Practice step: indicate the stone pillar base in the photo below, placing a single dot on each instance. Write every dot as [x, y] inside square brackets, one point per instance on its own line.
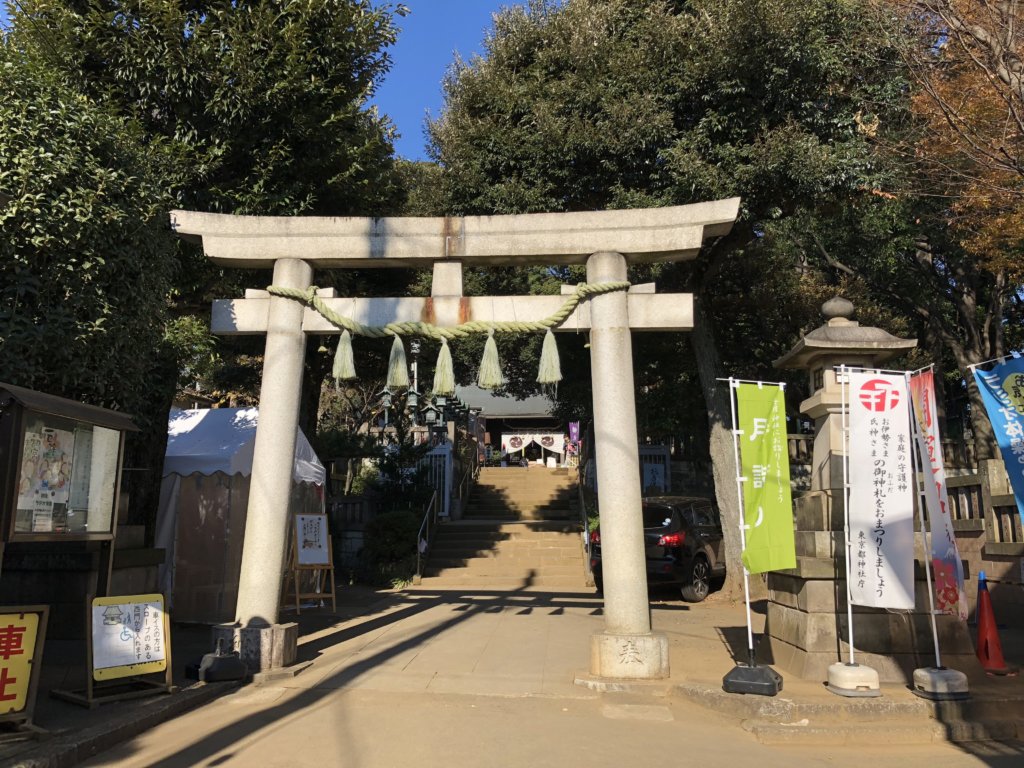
[261, 648]
[629, 657]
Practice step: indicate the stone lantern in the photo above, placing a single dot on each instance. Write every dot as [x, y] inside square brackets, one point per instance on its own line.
[806, 630]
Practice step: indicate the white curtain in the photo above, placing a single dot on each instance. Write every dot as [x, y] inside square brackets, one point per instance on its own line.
[549, 441]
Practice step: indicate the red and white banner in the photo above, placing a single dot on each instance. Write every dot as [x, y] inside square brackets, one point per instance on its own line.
[947, 567]
[881, 473]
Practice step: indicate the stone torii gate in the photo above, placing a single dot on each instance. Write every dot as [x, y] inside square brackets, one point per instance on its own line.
[606, 241]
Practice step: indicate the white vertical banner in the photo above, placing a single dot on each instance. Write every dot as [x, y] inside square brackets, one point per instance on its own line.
[881, 491]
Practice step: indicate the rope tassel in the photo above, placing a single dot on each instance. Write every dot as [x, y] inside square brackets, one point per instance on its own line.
[550, 371]
[444, 371]
[398, 371]
[490, 367]
[344, 361]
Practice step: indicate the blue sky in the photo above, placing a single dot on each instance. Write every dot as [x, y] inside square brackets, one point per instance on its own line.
[430, 36]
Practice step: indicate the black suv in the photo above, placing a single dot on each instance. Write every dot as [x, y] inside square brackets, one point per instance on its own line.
[683, 543]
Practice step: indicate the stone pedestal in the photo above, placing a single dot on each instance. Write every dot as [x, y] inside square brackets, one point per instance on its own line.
[807, 627]
[627, 648]
[261, 648]
[807, 631]
[629, 657]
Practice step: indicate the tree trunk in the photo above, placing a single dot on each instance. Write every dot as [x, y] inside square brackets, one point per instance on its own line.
[723, 457]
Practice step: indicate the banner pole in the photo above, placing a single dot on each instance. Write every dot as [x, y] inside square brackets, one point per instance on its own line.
[919, 468]
[733, 384]
[846, 502]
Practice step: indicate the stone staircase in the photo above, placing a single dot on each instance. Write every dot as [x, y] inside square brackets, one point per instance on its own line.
[519, 529]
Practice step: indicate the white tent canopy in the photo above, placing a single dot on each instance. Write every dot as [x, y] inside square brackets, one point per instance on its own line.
[204, 497]
[222, 439]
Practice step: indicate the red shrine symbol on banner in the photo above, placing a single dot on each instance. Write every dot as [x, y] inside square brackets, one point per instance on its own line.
[879, 395]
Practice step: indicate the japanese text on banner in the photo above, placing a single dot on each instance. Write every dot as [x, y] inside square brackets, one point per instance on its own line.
[764, 458]
[881, 514]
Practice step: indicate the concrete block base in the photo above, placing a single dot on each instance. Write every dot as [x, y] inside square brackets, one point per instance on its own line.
[629, 657]
[814, 665]
[261, 648]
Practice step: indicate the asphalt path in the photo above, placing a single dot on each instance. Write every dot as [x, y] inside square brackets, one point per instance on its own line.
[486, 680]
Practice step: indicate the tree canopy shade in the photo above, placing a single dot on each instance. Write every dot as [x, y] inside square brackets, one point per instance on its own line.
[262, 106]
[243, 107]
[633, 103]
[86, 261]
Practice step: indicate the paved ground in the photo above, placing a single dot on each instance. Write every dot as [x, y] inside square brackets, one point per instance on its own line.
[473, 678]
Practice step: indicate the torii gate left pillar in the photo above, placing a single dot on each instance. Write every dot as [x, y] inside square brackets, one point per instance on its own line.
[605, 241]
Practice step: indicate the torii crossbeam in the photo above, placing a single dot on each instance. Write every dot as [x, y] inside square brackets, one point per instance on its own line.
[606, 241]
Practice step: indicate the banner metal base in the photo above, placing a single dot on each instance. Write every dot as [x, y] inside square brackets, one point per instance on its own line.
[940, 684]
[853, 680]
[763, 681]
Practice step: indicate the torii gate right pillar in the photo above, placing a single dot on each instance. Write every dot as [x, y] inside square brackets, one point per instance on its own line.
[627, 648]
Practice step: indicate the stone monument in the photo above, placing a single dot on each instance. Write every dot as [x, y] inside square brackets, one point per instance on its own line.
[806, 629]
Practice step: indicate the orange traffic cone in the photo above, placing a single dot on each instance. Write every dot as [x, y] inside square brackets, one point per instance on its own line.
[990, 651]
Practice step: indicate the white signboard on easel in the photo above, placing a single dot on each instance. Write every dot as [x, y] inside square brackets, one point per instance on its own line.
[312, 543]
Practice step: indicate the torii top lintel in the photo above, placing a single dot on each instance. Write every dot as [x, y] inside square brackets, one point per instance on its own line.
[642, 235]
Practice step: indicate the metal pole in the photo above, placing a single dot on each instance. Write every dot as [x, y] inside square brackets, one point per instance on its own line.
[919, 468]
[736, 432]
[845, 383]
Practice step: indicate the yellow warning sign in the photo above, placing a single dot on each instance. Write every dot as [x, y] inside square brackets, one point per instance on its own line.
[17, 648]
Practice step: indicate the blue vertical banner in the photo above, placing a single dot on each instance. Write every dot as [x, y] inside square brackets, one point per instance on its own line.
[1002, 391]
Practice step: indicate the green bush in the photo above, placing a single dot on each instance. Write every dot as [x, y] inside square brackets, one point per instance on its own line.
[391, 536]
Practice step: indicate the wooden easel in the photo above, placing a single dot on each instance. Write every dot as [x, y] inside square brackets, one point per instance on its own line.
[323, 571]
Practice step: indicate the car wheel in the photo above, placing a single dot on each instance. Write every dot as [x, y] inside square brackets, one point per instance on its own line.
[699, 583]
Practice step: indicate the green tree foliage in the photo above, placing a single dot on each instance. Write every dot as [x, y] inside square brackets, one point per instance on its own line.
[86, 261]
[257, 107]
[235, 107]
[593, 104]
[262, 105]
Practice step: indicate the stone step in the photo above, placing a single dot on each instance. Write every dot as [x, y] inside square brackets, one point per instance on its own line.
[518, 503]
[502, 530]
[543, 541]
[859, 720]
[803, 732]
[485, 567]
[521, 561]
[537, 516]
[504, 583]
[519, 553]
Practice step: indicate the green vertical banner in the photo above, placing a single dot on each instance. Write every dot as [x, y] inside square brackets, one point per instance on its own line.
[764, 466]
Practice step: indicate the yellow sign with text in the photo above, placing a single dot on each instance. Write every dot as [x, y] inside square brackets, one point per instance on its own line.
[129, 636]
[17, 646]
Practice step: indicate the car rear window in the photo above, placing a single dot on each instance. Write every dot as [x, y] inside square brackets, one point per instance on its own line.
[703, 515]
[657, 517]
